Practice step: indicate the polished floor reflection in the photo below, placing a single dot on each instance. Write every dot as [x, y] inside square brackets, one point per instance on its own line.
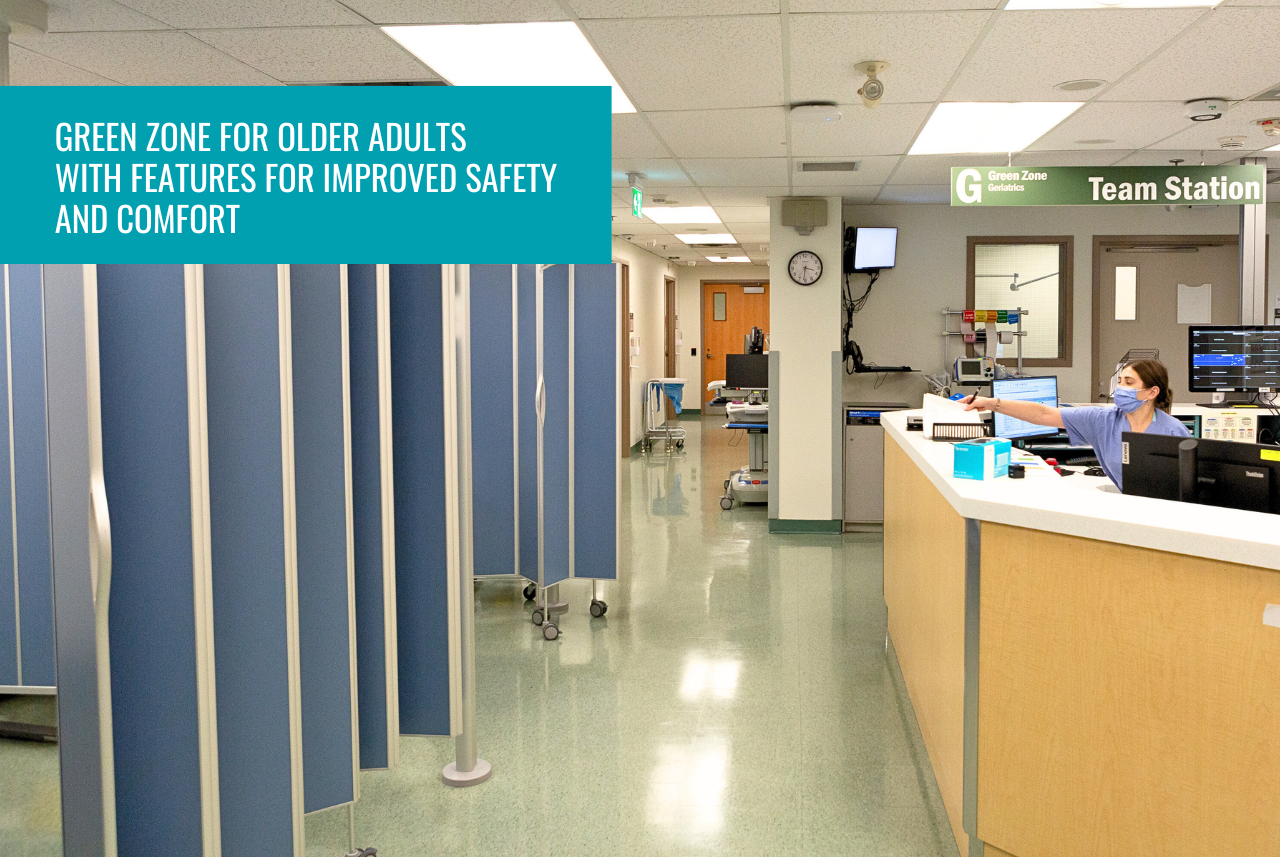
[736, 700]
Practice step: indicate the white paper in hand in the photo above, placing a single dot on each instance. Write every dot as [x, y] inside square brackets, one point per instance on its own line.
[940, 410]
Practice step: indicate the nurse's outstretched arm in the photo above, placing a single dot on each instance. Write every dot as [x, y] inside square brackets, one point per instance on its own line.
[1030, 412]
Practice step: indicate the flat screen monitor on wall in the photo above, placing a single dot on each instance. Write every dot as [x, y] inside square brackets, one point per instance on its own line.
[875, 248]
[1233, 357]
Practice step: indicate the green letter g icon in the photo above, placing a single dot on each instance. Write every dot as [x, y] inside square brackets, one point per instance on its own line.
[969, 186]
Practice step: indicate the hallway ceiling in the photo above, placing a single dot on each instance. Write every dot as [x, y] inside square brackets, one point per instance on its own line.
[710, 79]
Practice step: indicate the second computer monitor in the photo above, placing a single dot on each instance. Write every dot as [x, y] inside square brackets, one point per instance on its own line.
[1042, 389]
[746, 371]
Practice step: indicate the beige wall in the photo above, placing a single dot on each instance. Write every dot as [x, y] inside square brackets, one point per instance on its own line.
[647, 274]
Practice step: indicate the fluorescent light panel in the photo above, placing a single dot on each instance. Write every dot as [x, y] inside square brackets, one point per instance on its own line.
[709, 238]
[546, 53]
[729, 259]
[1015, 5]
[1275, 148]
[682, 214]
[972, 127]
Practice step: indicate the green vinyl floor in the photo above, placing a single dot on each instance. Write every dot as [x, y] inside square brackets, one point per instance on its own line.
[737, 699]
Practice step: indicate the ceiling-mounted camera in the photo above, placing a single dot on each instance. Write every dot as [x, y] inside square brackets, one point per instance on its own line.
[873, 90]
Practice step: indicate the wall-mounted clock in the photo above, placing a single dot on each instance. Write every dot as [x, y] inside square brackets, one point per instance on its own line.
[805, 268]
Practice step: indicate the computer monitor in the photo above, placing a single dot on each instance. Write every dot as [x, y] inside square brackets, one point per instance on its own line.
[1218, 472]
[1233, 358]
[746, 371]
[1042, 389]
[875, 248]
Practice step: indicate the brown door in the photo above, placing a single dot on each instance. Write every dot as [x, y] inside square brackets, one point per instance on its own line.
[1192, 263]
[669, 338]
[728, 314]
[625, 379]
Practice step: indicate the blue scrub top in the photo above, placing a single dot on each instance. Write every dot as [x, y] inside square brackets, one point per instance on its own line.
[1101, 427]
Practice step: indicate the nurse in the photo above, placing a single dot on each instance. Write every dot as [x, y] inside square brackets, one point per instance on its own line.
[1142, 401]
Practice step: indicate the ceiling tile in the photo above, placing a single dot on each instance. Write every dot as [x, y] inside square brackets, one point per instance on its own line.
[718, 196]
[154, 58]
[757, 132]
[855, 195]
[671, 8]
[1057, 46]
[871, 170]
[658, 172]
[743, 213]
[749, 233]
[886, 130]
[625, 224]
[32, 69]
[1231, 53]
[1069, 158]
[748, 172]
[1130, 125]
[1161, 157]
[76, 16]
[923, 50]
[693, 63]
[318, 54]
[1238, 121]
[457, 11]
[916, 193]
[798, 6]
[633, 139]
[185, 14]
[936, 169]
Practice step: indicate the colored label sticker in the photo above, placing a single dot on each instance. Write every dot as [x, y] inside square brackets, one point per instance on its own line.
[968, 315]
[980, 316]
[1270, 455]
[1012, 317]
[1002, 315]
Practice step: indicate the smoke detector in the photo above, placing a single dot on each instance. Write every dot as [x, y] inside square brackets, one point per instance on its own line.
[1205, 109]
[815, 112]
[1270, 127]
[1234, 142]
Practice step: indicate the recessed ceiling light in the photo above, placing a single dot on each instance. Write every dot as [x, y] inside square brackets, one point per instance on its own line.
[1079, 85]
[544, 53]
[1015, 5]
[682, 214]
[1275, 148]
[968, 127]
[707, 238]
[1101, 141]
[728, 259]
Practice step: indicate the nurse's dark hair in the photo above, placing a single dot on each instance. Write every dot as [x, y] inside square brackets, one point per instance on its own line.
[1153, 374]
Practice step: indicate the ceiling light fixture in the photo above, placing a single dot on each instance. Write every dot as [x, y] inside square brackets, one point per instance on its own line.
[1016, 5]
[543, 53]
[1079, 85]
[972, 127]
[708, 238]
[743, 259]
[682, 214]
[815, 112]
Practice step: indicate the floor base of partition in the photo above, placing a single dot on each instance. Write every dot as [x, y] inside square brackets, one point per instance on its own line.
[459, 779]
[558, 606]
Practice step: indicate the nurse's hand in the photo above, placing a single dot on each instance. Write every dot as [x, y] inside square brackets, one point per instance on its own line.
[979, 403]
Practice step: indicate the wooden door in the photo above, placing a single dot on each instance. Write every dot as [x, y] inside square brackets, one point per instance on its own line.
[725, 321]
[669, 337]
[624, 377]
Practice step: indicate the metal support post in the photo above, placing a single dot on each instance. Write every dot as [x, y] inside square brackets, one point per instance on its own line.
[467, 769]
[1253, 256]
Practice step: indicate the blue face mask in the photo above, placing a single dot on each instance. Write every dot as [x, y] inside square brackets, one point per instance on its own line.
[1126, 399]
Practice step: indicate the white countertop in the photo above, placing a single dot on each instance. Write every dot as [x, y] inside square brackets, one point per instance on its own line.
[1091, 507]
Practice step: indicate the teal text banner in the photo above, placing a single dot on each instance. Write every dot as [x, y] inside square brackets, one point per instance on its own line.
[1182, 185]
[390, 174]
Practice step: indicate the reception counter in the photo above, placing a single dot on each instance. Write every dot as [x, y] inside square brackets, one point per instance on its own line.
[1091, 672]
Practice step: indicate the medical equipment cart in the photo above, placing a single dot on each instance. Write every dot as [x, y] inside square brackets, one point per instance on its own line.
[657, 392]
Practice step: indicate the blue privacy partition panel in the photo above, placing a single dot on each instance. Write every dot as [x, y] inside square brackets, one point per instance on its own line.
[527, 424]
[254, 582]
[555, 433]
[9, 670]
[319, 319]
[142, 343]
[375, 623]
[493, 464]
[30, 451]
[417, 407]
[595, 416]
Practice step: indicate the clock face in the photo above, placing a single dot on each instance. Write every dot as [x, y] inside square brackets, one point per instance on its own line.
[805, 267]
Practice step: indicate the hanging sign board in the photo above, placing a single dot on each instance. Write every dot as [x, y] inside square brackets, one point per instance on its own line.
[1222, 185]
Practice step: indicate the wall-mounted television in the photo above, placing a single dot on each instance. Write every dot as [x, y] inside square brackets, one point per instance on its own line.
[875, 248]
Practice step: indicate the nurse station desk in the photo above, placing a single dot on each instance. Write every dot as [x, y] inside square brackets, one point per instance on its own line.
[1093, 673]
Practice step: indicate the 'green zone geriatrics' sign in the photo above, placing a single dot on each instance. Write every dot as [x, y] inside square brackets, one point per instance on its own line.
[1224, 185]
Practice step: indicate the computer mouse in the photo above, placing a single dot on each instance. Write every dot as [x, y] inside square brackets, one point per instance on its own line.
[1094, 471]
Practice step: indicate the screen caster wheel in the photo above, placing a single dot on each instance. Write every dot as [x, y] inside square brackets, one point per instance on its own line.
[599, 608]
[530, 591]
[726, 503]
[550, 631]
[538, 616]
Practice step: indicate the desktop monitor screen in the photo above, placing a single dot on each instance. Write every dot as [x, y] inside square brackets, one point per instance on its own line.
[1225, 473]
[746, 371]
[1236, 357]
[1043, 390]
[875, 248]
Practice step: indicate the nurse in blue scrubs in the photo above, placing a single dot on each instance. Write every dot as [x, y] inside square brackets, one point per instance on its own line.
[1142, 401]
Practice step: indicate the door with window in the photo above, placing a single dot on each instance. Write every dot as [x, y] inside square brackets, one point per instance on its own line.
[730, 310]
[1147, 292]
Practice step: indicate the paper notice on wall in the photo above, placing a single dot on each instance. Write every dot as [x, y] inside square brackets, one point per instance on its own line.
[1271, 615]
[1126, 293]
[1195, 304]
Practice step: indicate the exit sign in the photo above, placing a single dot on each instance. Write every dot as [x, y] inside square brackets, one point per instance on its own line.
[637, 200]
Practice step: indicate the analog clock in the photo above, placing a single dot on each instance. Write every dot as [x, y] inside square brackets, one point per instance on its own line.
[805, 267]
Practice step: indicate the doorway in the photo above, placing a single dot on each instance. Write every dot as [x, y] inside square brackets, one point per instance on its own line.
[671, 322]
[729, 311]
[1167, 283]
[624, 377]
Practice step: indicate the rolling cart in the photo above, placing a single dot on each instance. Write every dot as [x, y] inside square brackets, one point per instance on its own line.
[657, 424]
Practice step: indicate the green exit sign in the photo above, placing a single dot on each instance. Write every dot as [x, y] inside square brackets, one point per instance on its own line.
[637, 202]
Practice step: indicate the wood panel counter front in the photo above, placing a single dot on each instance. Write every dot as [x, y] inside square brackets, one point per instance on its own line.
[1122, 700]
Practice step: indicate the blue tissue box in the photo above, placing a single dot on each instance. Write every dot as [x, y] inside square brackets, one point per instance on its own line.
[982, 458]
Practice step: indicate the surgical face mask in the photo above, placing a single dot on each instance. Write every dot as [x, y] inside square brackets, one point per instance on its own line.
[1126, 399]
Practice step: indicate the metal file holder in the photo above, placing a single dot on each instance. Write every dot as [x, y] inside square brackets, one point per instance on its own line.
[947, 333]
[952, 432]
